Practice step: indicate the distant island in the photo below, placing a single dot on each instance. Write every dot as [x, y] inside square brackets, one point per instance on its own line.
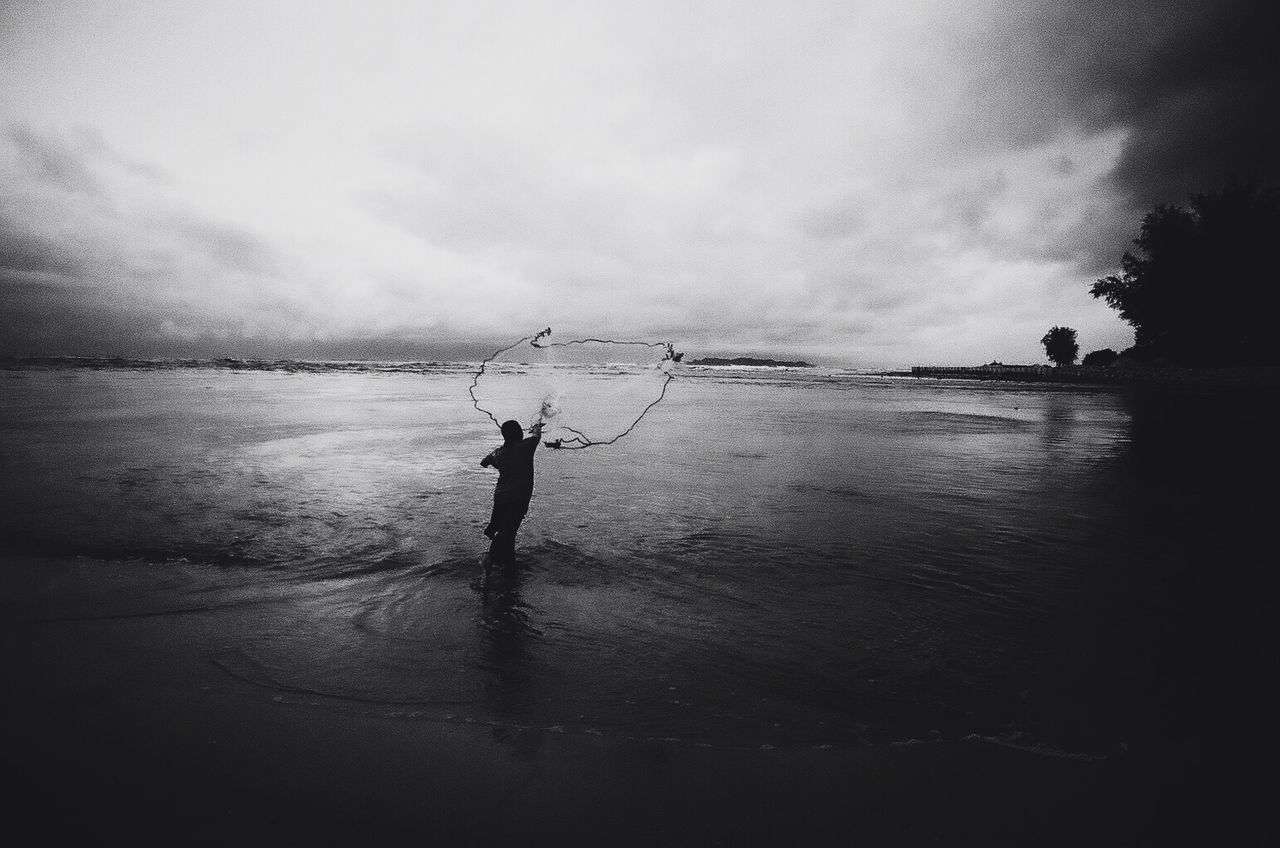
[748, 360]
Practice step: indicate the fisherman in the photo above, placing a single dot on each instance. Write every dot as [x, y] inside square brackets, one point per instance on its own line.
[511, 495]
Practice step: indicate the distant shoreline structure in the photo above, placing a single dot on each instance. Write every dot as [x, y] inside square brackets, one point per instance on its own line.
[751, 361]
[1257, 377]
[999, 371]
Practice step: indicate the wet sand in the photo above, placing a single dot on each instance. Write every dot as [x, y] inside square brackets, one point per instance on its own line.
[122, 726]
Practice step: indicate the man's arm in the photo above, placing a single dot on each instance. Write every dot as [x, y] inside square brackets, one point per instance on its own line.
[532, 441]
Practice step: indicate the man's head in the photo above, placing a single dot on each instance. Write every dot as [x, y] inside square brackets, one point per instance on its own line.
[512, 431]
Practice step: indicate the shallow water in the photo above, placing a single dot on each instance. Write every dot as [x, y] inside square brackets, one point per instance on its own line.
[771, 558]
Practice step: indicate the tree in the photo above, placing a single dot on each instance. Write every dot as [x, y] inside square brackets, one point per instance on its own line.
[1202, 288]
[1100, 358]
[1060, 345]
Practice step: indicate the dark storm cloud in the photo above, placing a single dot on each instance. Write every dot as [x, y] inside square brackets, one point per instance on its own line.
[41, 318]
[23, 255]
[45, 306]
[1191, 85]
[1195, 83]
[1211, 110]
[96, 257]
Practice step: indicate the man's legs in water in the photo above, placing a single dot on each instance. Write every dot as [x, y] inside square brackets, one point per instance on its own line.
[492, 529]
[506, 522]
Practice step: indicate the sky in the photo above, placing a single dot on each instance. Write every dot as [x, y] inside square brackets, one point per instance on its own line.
[860, 184]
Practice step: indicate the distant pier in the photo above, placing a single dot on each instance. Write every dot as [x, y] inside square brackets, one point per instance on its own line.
[1023, 373]
[1231, 379]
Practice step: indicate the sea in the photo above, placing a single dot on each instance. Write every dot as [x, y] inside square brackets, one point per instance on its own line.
[770, 558]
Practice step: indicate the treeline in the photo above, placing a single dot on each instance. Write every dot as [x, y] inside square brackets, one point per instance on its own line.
[1202, 286]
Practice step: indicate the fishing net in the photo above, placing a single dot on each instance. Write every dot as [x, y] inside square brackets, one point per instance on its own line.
[586, 392]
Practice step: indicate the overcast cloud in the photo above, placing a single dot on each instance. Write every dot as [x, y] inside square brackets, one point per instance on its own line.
[859, 183]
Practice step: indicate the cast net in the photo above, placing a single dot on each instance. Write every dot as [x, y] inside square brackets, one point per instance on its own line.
[586, 392]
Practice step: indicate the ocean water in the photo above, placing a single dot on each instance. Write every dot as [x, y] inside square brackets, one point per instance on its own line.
[771, 558]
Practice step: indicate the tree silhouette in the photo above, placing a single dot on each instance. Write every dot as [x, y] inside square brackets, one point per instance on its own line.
[1202, 288]
[1060, 345]
[1100, 358]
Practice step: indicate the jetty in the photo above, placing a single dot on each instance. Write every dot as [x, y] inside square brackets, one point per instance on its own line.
[1021, 373]
[1232, 379]
[994, 371]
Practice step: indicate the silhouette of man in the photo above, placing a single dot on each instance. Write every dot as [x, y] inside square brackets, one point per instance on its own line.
[514, 461]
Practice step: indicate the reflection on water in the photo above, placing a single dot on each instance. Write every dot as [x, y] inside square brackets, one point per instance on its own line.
[505, 632]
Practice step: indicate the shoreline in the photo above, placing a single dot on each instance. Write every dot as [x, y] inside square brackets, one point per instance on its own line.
[121, 723]
[1227, 380]
[1258, 378]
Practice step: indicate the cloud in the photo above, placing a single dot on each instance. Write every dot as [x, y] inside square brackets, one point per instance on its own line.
[1193, 83]
[229, 247]
[30, 258]
[101, 253]
[95, 252]
[56, 161]
[875, 182]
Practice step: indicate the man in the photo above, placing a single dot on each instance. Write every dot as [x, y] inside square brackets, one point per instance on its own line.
[514, 461]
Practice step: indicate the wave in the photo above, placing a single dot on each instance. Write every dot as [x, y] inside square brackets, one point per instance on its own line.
[285, 366]
[109, 552]
[1021, 742]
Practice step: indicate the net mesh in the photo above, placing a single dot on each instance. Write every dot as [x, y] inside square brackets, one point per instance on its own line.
[586, 392]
